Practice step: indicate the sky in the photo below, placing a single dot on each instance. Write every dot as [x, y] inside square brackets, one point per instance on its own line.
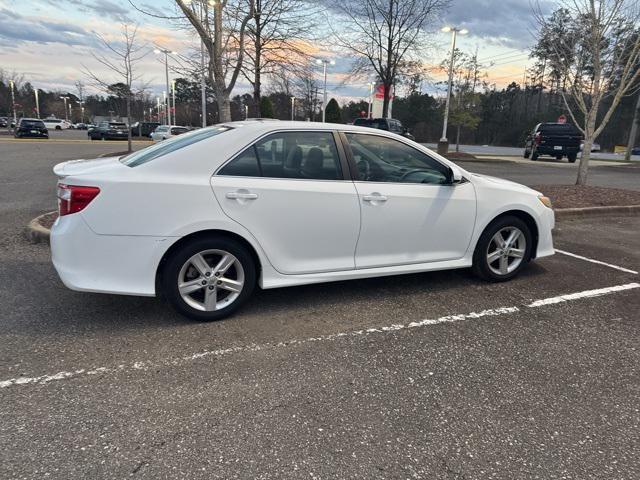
[50, 42]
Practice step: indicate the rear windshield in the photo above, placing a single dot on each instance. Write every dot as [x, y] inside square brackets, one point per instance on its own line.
[171, 145]
[32, 123]
[559, 129]
[118, 126]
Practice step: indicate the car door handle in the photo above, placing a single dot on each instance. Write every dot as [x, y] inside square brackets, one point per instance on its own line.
[242, 195]
[374, 198]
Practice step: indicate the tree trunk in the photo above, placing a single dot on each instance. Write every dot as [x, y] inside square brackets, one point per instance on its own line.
[224, 107]
[583, 168]
[257, 78]
[633, 133]
[129, 149]
[458, 139]
[386, 101]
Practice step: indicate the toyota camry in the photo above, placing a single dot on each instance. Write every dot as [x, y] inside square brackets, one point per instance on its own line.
[203, 218]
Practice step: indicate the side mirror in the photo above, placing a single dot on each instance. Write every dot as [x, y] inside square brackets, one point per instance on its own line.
[455, 175]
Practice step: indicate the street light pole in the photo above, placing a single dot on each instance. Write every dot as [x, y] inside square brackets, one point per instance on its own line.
[371, 84]
[13, 103]
[293, 107]
[37, 102]
[324, 96]
[443, 144]
[166, 73]
[173, 96]
[66, 113]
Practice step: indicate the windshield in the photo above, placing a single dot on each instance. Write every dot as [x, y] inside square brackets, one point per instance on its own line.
[31, 123]
[118, 126]
[171, 145]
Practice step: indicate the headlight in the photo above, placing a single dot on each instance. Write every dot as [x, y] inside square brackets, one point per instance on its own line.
[546, 201]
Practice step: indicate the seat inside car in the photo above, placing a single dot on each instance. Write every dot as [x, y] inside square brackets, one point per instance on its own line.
[293, 162]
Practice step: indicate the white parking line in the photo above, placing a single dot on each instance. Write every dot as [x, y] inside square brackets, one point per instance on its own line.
[145, 365]
[586, 259]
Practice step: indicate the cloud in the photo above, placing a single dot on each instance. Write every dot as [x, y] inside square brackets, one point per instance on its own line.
[104, 8]
[18, 29]
[506, 23]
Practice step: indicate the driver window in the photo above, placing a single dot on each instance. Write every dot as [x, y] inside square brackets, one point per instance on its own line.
[381, 159]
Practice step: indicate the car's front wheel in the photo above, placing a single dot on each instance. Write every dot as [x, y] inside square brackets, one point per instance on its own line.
[209, 278]
[504, 248]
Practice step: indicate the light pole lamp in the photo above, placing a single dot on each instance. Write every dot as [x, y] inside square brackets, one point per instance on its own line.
[443, 144]
[293, 107]
[81, 103]
[66, 113]
[166, 52]
[324, 64]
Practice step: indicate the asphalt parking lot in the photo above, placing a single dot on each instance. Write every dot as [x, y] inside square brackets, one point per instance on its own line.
[433, 376]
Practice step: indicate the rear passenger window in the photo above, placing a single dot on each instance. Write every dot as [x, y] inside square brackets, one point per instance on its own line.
[301, 155]
[245, 165]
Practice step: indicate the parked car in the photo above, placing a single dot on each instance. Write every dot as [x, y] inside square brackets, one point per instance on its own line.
[555, 140]
[4, 122]
[80, 126]
[387, 124]
[595, 147]
[56, 124]
[31, 127]
[109, 131]
[167, 131]
[143, 129]
[635, 151]
[282, 204]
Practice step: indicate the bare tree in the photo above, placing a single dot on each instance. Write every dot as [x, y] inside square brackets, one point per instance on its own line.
[600, 59]
[276, 39]
[384, 34]
[120, 59]
[222, 27]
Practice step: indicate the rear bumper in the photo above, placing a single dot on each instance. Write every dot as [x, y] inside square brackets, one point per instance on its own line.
[550, 150]
[120, 264]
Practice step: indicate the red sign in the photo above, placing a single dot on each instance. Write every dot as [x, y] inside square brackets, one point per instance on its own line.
[562, 119]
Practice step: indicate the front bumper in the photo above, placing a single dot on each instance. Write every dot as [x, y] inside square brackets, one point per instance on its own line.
[120, 264]
[547, 222]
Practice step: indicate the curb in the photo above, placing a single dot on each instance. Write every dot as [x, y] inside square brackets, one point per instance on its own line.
[569, 213]
[35, 232]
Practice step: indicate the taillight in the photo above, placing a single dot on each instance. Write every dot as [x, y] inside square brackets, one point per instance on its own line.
[74, 198]
[537, 138]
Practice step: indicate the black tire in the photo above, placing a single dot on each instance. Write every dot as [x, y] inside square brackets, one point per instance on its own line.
[480, 265]
[527, 153]
[173, 265]
[534, 155]
[58, 127]
[572, 157]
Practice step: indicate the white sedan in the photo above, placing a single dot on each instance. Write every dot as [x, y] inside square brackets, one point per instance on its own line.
[205, 217]
[164, 132]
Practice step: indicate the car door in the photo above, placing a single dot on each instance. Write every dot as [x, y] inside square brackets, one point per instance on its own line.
[289, 189]
[410, 210]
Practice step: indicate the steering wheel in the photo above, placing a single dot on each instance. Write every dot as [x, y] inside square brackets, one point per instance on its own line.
[364, 169]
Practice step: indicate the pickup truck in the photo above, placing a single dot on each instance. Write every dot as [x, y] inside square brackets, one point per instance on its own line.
[555, 140]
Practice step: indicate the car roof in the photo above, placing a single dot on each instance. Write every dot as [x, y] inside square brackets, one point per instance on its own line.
[266, 125]
[31, 119]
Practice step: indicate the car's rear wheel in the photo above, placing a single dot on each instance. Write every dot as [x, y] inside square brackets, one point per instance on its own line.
[526, 153]
[58, 127]
[534, 155]
[572, 157]
[209, 278]
[504, 248]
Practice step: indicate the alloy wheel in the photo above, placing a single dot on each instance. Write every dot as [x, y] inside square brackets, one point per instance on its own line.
[211, 280]
[506, 250]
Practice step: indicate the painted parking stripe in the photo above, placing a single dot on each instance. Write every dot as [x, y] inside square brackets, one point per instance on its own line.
[586, 259]
[146, 365]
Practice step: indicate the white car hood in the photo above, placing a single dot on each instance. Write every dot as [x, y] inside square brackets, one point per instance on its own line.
[509, 183]
[86, 167]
